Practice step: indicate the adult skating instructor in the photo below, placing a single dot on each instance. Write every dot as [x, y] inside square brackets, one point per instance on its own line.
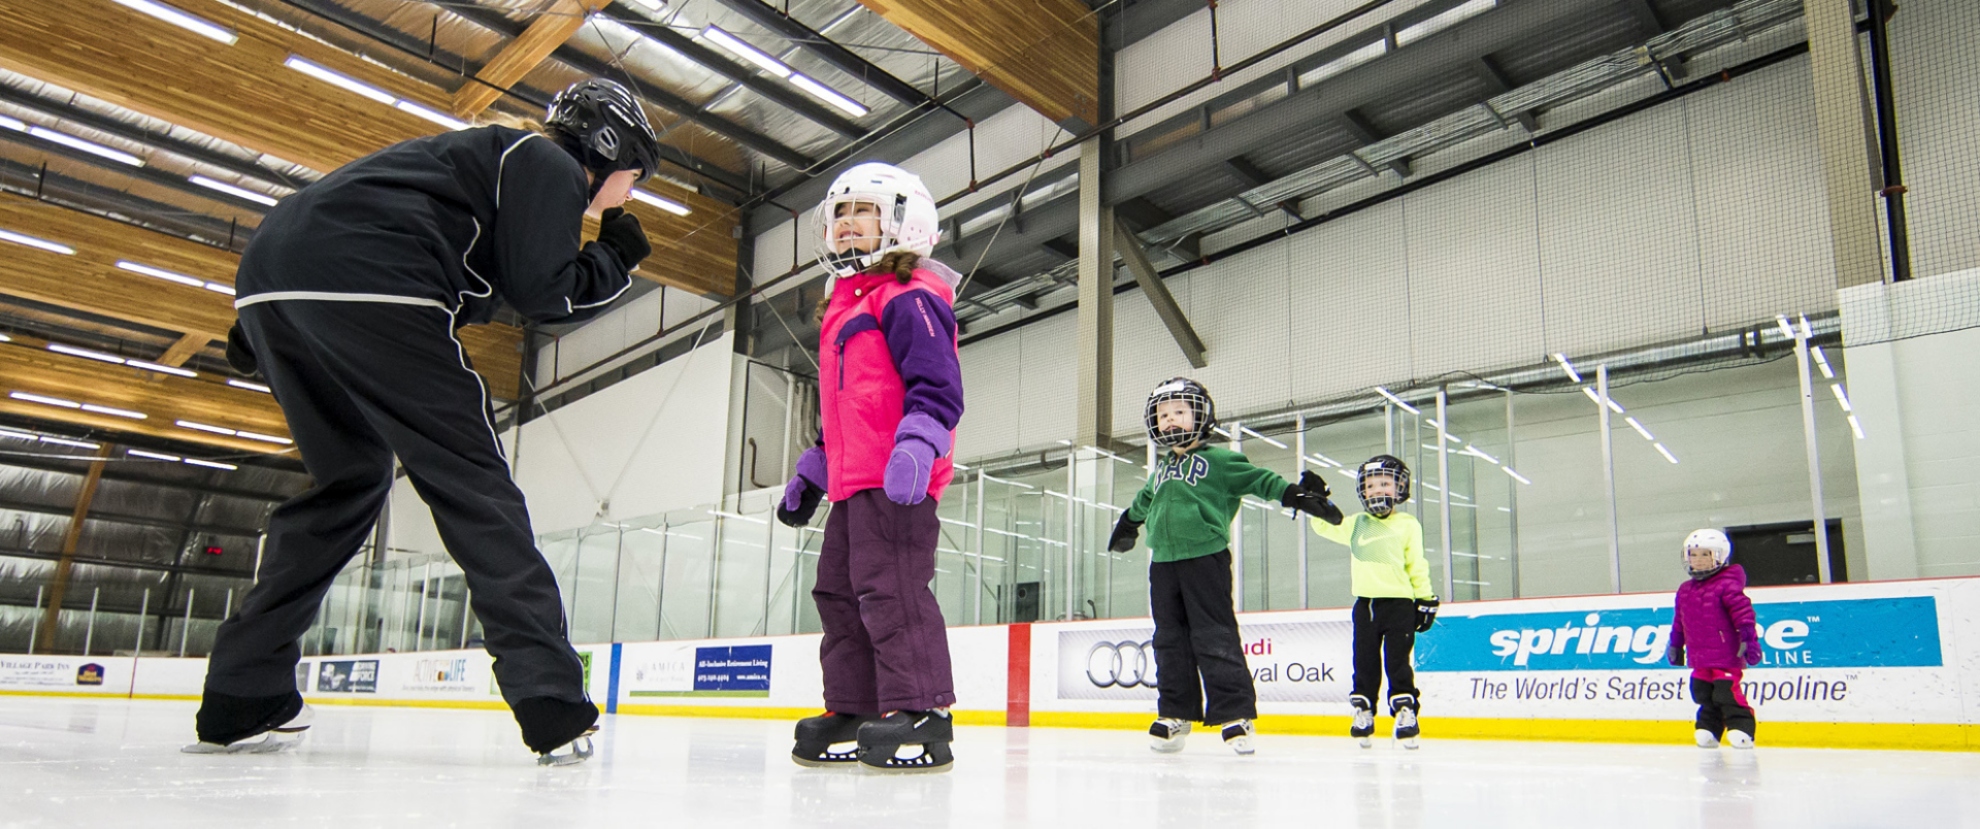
[350, 295]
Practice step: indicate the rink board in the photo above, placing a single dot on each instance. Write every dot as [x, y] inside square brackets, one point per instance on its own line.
[1886, 664]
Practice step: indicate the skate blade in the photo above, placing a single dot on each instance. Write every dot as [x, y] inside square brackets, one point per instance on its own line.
[1408, 743]
[1166, 746]
[569, 754]
[827, 758]
[929, 761]
[274, 742]
[1366, 742]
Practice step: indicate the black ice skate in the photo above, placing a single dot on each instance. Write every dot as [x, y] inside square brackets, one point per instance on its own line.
[1363, 727]
[571, 753]
[230, 725]
[559, 731]
[930, 732]
[829, 739]
[1403, 706]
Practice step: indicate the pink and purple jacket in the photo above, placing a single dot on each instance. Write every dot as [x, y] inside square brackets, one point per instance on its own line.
[888, 369]
[1713, 618]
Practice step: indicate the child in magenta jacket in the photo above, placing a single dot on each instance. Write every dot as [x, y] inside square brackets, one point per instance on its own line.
[1712, 630]
[890, 394]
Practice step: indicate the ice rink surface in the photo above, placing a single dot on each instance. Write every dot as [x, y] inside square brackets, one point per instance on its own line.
[96, 763]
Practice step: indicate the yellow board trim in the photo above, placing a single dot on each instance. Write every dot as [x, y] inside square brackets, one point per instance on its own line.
[468, 704]
[1908, 736]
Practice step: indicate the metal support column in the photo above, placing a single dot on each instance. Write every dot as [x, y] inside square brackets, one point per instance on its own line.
[144, 607]
[89, 630]
[1093, 422]
[977, 596]
[1808, 437]
[1236, 429]
[59, 584]
[1158, 295]
[1850, 163]
[1609, 476]
[1444, 481]
[1512, 497]
[185, 627]
[34, 631]
[1299, 521]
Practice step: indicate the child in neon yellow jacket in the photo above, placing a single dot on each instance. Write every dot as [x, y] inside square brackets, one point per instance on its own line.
[1393, 598]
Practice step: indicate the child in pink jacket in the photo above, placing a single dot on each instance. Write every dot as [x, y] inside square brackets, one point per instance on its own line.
[1712, 630]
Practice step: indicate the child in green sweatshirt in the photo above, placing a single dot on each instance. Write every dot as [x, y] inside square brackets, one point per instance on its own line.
[1393, 600]
[1191, 497]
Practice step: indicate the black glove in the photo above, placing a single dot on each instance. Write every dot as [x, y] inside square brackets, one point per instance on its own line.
[239, 354]
[807, 505]
[1674, 654]
[1125, 532]
[1310, 496]
[1426, 613]
[621, 234]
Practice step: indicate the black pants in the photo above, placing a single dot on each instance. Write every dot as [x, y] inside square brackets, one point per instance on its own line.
[361, 382]
[1197, 652]
[1384, 633]
[1722, 706]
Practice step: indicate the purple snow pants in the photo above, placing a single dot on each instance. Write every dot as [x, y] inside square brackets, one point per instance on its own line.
[885, 648]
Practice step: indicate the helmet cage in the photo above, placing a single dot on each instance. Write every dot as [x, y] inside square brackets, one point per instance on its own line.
[1203, 411]
[1381, 506]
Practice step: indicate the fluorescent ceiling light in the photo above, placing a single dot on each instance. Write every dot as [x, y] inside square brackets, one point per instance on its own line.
[1474, 451]
[340, 80]
[159, 273]
[430, 114]
[828, 95]
[1786, 329]
[1397, 400]
[264, 438]
[5, 339]
[736, 515]
[1822, 362]
[201, 427]
[1568, 367]
[1516, 476]
[79, 444]
[182, 372]
[84, 352]
[140, 453]
[735, 46]
[1840, 397]
[211, 464]
[92, 407]
[1613, 406]
[1855, 427]
[1324, 460]
[1665, 452]
[30, 241]
[1440, 22]
[14, 124]
[10, 433]
[231, 190]
[668, 205]
[219, 288]
[90, 147]
[1639, 429]
[45, 401]
[182, 20]
[243, 384]
[1254, 433]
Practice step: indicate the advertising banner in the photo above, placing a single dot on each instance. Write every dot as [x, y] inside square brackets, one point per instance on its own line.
[1290, 661]
[66, 674]
[663, 669]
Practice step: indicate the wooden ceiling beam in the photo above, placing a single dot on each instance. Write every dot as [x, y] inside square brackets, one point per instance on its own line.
[90, 281]
[244, 93]
[1044, 53]
[28, 367]
[548, 31]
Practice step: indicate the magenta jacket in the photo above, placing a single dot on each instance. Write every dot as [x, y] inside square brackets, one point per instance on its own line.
[888, 368]
[1713, 617]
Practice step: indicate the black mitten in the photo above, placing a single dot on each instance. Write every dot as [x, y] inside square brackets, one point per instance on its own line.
[1312, 499]
[1125, 532]
[1426, 613]
[239, 354]
[620, 233]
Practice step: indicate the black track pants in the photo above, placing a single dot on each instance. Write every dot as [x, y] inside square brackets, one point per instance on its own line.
[1384, 633]
[1197, 651]
[361, 382]
[1722, 706]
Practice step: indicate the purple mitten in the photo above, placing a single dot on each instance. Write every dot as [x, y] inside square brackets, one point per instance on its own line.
[917, 443]
[1750, 652]
[801, 495]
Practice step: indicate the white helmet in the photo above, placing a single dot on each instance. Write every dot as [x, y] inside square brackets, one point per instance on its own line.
[907, 215]
[1714, 540]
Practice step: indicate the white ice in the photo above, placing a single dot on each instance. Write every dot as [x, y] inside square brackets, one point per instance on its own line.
[101, 763]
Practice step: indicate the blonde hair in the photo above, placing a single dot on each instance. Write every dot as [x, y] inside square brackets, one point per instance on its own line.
[900, 263]
[516, 122]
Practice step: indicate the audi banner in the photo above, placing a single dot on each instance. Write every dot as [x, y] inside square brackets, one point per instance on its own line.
[1290, 662]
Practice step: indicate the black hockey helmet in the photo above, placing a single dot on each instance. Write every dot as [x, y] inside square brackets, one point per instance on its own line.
[1200, 405]
[602, 124]
[1381, 505]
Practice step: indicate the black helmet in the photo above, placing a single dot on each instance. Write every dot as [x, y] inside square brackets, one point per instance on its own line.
[1381, 505]
[1200, 405]
[602, 124]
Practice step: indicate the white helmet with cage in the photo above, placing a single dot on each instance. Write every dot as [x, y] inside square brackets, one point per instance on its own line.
[908, 219]
[1707, 539]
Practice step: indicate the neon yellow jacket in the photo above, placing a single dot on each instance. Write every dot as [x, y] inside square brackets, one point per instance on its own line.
[1388, 555]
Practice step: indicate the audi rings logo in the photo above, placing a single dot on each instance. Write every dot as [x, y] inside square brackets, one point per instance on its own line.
[1121, 664]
